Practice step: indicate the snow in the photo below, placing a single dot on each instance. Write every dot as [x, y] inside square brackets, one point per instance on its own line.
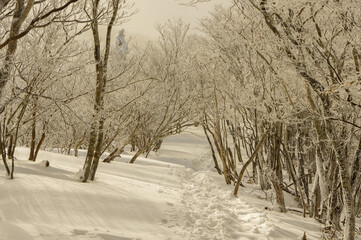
[175, 194]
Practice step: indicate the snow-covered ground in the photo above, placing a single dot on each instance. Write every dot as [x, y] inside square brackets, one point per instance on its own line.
[175, 194]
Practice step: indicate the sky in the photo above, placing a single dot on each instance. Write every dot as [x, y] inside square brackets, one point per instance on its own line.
[141, 27]
[151, 12]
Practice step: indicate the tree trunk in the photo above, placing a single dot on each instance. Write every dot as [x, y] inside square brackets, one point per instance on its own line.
[258, 147]
[39, 145]
[33, 138]
[3, 153]
[295, 179]
[112, 156]
[98, 149]
[216, 166]
[280, 199]
[33, 132]
[97, 130]
[137, 154]
[349, 231]
[90, 152]
[315, 198]
[14, 137]
[98, 105]
[140, 151]
[78, 144]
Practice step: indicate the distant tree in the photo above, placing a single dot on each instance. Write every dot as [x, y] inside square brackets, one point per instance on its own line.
[169, 106]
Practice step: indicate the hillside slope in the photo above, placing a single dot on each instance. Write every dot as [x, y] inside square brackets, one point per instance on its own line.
[174, 195]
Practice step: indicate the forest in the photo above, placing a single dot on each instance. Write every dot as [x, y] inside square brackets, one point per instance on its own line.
[275, 86]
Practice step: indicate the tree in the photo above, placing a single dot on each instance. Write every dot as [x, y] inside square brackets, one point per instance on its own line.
[36, 75]
[42, 14]
[266, 54]
[111, 18]
[169, 105]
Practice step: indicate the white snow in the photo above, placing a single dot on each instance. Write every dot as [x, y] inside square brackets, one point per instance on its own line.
[174, 195]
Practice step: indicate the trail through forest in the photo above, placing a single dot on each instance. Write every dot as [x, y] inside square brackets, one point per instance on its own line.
[178, 196]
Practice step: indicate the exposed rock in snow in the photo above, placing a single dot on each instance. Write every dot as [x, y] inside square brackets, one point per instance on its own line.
[44, 163]
[78, 176]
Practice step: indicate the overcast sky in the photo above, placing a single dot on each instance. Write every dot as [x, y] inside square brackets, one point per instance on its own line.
[152, 12]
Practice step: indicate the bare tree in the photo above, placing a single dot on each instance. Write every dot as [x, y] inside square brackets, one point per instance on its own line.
[116, 12]
[44, 14]
[267, 54]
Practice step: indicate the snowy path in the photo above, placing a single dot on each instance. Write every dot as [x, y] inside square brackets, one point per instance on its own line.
[209, 211]
[213, 213]
[177, 197]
